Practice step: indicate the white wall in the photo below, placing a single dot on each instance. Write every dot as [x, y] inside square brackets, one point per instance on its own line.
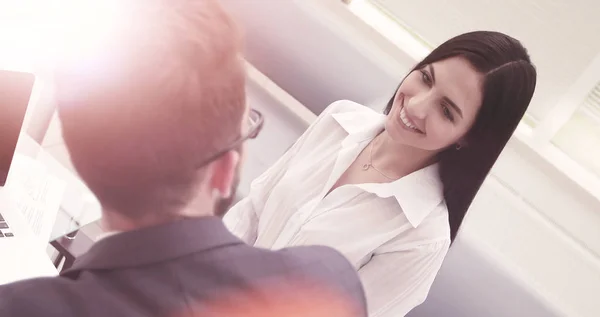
[471, 283]
[283, 126]
[311, 58]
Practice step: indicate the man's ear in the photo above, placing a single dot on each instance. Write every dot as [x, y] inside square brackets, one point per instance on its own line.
[223, 173]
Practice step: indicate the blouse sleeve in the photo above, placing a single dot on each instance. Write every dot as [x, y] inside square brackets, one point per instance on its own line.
[242, 219]
[398, 281]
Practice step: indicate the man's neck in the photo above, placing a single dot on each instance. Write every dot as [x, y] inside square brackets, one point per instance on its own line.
[113, 221]
[202, 205]
[116, 222]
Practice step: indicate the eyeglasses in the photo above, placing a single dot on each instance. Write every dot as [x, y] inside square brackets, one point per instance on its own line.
[255, 124]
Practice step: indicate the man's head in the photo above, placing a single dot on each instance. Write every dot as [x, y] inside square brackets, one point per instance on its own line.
[141, 116]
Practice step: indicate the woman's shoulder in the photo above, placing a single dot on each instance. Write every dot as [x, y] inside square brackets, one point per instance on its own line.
[323, 128]
[342, 106]
[344, 110]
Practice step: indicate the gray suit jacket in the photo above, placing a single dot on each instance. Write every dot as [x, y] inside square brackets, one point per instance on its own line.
[175, 270]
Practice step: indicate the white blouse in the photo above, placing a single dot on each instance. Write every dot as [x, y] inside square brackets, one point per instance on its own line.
[396, 234]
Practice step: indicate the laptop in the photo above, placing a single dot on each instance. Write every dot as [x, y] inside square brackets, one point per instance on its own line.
[20, 252]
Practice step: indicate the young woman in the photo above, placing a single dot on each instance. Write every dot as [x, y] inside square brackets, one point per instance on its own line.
[390, 190]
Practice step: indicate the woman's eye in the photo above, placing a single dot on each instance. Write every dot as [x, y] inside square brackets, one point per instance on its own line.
[447, 113]
[425, 77]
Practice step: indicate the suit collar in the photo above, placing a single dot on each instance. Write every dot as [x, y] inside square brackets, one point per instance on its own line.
[155, 244]
[418, 193]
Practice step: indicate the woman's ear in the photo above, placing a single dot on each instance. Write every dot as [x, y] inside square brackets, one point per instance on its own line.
[461, 144]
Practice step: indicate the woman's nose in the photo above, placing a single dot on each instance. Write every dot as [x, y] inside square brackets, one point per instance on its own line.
[419, 106]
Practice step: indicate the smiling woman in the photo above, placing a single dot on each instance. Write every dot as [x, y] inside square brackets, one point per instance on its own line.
[492, 78]
[441, 86]
[390, 190]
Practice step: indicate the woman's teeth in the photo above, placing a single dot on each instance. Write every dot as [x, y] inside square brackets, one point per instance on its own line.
[407, 122]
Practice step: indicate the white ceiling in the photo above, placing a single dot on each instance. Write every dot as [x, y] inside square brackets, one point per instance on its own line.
[561, 35]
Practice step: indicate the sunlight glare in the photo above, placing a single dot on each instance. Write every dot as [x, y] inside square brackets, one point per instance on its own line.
[39, 33]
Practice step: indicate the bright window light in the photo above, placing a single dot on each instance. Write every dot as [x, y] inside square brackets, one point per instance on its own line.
[579, 138]
[39, 33]
[391, 29]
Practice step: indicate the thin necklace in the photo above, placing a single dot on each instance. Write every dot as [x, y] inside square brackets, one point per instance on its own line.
[369, 165]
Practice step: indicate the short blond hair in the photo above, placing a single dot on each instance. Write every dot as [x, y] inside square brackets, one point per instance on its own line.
[169, 93]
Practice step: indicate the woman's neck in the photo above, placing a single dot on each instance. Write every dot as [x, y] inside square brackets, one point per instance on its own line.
[399, 160]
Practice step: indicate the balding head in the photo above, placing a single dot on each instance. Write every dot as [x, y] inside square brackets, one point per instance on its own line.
[164, 94]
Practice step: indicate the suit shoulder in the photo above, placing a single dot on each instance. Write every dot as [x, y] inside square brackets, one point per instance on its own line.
[330, 269]
[316, 253]
[15, 298]
[321, 260]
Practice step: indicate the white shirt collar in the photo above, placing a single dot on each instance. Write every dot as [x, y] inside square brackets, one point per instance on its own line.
[418, 193]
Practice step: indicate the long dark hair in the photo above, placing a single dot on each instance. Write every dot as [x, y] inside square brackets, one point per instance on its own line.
[509, 83]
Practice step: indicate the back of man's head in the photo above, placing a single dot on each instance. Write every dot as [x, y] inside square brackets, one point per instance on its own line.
[141, 113]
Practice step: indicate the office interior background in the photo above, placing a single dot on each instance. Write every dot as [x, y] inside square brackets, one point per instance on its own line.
[530, 245]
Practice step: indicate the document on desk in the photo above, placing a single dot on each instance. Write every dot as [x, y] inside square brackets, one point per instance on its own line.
[38, 195]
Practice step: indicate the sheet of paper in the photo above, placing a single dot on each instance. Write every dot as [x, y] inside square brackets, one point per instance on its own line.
[78, 202]
[38, 194]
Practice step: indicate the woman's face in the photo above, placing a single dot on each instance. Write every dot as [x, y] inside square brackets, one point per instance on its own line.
[436, 106]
